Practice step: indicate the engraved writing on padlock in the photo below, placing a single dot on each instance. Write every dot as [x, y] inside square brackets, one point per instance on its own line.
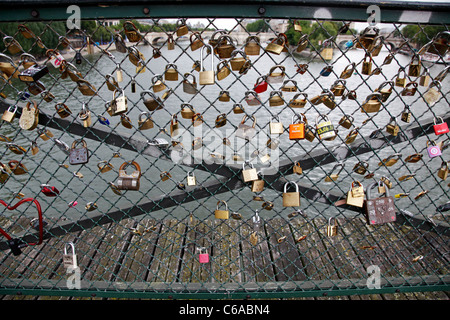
[78, 155]
[129, 181]
[441, 127]
[379, 210]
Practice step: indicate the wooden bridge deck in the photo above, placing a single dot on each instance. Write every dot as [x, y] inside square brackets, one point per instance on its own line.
[165, 252]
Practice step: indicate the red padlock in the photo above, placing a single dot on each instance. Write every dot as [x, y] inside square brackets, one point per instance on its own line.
[260, 85]
[49, 191]
[440, 128]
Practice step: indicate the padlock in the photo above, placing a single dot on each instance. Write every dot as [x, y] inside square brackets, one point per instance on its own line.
[221, 214]
[55, 58]
[433, 93]
[5, 172]
[361, 167]
[273, 143]
[367, 37]
[376, 46]
[289, 88]
[386, 181]
[390, 160]
[406, 115]
[8, 67]
[392, 127]
[174, 125]
[47, 96]
[129, 181]
[328, 99]
[327, 50]
[171, 73]
[348, 71]
[131, 31]
[355, 197]
[170, 42]
[400, 81]
[276, 77]
[189, 86]
[297, 169]
[296, 102]
[324, 128]
[326, 71]
[157, 83]
[111, 83]
[310, 133]
[440, 128]
[145, 121]
[49, 191]
[249, 174]
[346, 121]
[425, 78]
[415, 66]
[352, 135]
[443, 170]
[225, 46]
[238, 108]
[379, 210]
[334, 175]
[33, 73]
[302, 43]
[237, 63]
[206, 77]
[153, 103]
[276, 98]
[260, 85]
[187, 111]
[17, 168]
[297, 129]
[416, 157]
[104, 166]
[45, 134]
[291, 199]
[196, 41]
[197, 119]
[302, 68]
[29, 118]
[165, 175]
[221, 120]
[223, 70]
[252, 98]
[276, 127]
[15, 148]
[9, 113]
[338, 87]
[118, 105]
[70, 259]
[203, 256]
[258, 185]
[277, 45]
[85, 87]
[245, 131]
[410, 89]
[190, 179]
[385, 92]
[252, 46]
[438, 45]
[224, 96]
[85, 116]
[182, 28]
[433, 149]
[78, 155]
[367, 64]
[331, 228]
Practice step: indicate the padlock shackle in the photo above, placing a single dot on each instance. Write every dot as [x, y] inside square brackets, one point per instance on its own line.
[289, 183]
[125, 165]
[206, 46]
[376, 184]
[69, 244]
[220, 202]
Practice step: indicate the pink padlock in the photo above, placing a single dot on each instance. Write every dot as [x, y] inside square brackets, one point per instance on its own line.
[433, 150]
[440, 128]
[203, 257]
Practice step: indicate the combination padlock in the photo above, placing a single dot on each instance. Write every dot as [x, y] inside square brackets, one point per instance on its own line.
[129, 181]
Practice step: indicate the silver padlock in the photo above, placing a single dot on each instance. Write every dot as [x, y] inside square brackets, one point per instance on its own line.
[70, 260]
[78, 155]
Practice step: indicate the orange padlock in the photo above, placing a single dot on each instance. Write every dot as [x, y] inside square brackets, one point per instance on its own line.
[297, 129]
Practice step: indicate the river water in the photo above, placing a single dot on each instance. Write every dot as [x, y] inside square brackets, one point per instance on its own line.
[44, 167]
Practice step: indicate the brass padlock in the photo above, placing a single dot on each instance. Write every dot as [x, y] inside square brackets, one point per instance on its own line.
[223, 70]
[276, 127]
[355, 197]
[157, 84]
[392, 127]
[187, 111]
[376, 46]
[224, 96]
[45, 134]
[9, 113]
[5, 172]
[415, 66]
[273, 143]
[361, 167]
[17, 168]
[348, 71]
[206, 77]
[131, 31]
[385, 92]
[400, 81]
[145, 121]
[289, 88]
[249, 174]
[433, 93]
[12, 45]
[170, 42]
[386, 181]
[29, 118]
[86, 88]
[367, 37]
[367, 64]
[238, 108]
[302, 43]
[297, 168]
[252, 46]
[257, 185]
[331, 228]
[225, 46]
[338, 87]
[410, 89]
[196, 41]
[174, 126]
[372, 103]
[111, 83]
[63, 110]
[221, 120]
[310, 133]
[129, 181]
[335, 172]
[78, 155]
[197, 119]
[346, 121]
[104, 166]
[171, 73]
[276, 98]
[237, 63]
[277, 45]
[352, 135]
[391, 160]
[296, 102]
[291, 199]
[406, 115]
[443, 170]
[152, 103]
[85, 116]
[119, 104]
[182, 28]
[425, 78]
[221, 214]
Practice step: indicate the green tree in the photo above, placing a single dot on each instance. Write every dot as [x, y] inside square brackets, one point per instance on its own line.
[257, 26]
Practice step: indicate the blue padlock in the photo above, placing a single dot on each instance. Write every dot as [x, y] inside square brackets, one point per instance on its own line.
[326, 71]
[103, 120]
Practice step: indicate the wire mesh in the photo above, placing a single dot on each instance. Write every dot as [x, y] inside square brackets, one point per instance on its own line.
[152, 241]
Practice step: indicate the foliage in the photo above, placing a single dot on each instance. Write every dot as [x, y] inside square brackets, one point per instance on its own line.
[418, 36]
[257, 26]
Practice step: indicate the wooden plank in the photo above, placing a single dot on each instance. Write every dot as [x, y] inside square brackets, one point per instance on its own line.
[283, 249]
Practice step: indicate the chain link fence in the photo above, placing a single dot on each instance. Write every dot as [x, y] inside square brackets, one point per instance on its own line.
[223, 157]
